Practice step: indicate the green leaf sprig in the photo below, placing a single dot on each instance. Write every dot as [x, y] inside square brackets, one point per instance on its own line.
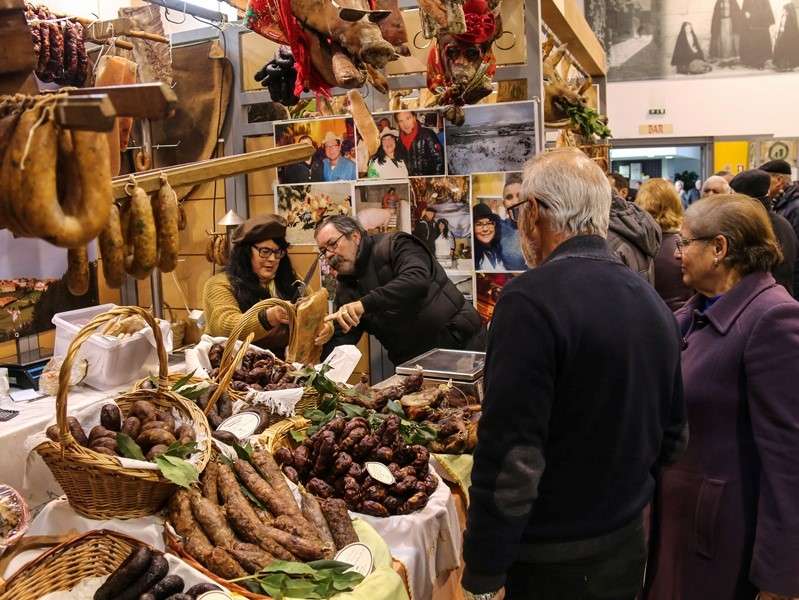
[172, 463]
[314, 580]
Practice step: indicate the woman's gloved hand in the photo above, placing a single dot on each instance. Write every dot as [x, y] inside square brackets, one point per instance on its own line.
[279, 76]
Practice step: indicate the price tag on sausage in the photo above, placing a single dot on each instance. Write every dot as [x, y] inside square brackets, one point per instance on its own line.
[359, 556]
[379, 472]
[242, 425]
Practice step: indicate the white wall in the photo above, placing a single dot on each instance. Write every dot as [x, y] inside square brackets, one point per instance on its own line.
[746, 105]
[107, 9]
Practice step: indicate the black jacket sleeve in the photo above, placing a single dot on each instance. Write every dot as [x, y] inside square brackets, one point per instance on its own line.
[413, 271]
[509, 461]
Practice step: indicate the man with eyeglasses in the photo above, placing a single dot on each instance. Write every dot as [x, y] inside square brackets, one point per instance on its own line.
[583, 403]
[391, 286]
[511, 249]
[335, 166]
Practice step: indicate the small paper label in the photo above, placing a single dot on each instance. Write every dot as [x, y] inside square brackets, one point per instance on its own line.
[215, 595]
[359, 556]
[242, 425]
[379, 472]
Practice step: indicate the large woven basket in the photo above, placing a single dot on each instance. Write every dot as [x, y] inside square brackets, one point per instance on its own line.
[310, 397]
[93, 554]
[96, 485]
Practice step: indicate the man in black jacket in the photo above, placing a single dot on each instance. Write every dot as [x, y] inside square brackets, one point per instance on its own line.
[784, 195]
[583, 403]
[425, 154]
[755, 184]
[391, 286]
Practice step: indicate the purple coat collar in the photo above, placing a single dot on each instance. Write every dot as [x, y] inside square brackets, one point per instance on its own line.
[723, 313]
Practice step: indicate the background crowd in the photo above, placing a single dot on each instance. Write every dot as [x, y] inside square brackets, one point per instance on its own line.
[640, 412]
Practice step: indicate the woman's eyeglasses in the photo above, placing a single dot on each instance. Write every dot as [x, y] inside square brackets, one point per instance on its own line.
[353, 15]
[682, 242]
[267, 253]
[484, 224]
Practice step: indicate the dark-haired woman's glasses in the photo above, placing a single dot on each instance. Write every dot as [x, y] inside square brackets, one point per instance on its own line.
[485, 224]
[267, 253]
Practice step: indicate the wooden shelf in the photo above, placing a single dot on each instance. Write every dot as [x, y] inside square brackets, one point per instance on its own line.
[566, 20]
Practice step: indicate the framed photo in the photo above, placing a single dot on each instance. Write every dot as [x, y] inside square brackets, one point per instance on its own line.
[441, 217]
[412, 144]
[489, 287]
[494, 222]
[383, 206]
[494, 137]
[303, 206]
[334, 158]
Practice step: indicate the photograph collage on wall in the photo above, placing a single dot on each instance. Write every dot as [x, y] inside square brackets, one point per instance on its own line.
[427, 178]
[667, 39]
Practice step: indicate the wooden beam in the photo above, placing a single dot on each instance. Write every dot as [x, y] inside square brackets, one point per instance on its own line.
[141, 100]
[90, 113]
[216, 168]
[567, 21]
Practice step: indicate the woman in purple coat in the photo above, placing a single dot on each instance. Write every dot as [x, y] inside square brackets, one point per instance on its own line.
[726, 516]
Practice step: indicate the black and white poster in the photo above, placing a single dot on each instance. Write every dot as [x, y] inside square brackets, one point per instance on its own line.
[666, 39]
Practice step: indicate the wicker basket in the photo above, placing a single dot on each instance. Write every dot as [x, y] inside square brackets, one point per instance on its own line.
[96, 485]
[310, 397]
[171, 380]
[92, 554]
[277, 436]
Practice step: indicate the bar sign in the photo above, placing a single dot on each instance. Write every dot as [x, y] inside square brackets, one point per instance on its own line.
[656, 129]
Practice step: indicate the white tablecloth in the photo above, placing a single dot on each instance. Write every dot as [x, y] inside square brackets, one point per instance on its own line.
[428, 542]
[39, 487]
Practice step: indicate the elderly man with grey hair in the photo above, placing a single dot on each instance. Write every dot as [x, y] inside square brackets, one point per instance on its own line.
[583, 404]
[715, 184]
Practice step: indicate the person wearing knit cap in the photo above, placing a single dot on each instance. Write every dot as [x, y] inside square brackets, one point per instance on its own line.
[259, 268]
[755, 184]
[784, 194]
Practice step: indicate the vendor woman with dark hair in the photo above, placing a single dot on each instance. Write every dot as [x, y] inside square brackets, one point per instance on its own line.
[259, 268]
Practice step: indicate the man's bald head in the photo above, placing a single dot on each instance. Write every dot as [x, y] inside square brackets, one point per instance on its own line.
[715, 184]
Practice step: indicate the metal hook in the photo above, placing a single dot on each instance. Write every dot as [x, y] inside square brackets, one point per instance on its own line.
[417, 46]
[166, 15]
[131, 182]
[501, 35]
